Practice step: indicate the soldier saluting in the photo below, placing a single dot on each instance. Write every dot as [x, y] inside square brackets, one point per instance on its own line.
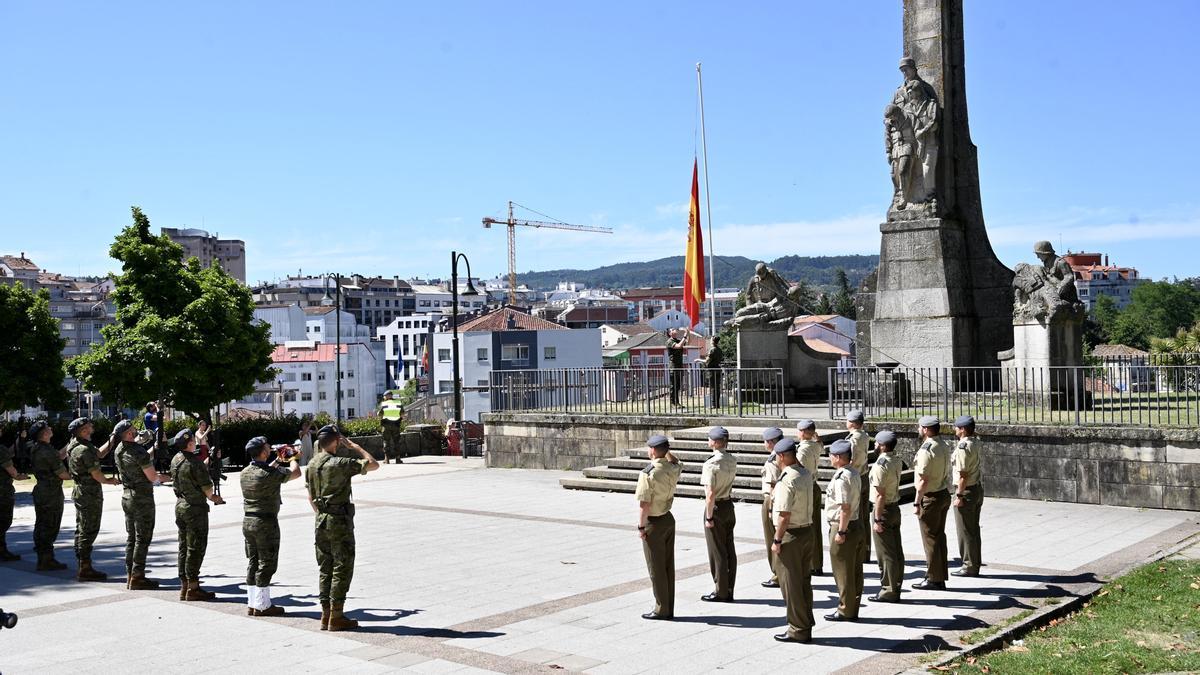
[48, 468]
[328, 478]
[136, 468]
[261, 481]
[193, 491]
[83, 460]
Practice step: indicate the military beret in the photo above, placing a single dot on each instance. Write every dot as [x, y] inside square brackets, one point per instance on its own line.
[77, 424]
[256, 444]
[772, 433]
[886, 437]
[785, 446]
[718, 434]
[929, 421]
[840, 447]
[965, 421]
[328, 430]
[37, 428]
[657, 441]
[805, 424]
[181, 439]
[122, 427]
[855, 416]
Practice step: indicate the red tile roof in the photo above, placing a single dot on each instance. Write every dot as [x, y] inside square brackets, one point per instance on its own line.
[1102, 351]
[498, 320]
[19, 263]
[322, 353]
[822, 346]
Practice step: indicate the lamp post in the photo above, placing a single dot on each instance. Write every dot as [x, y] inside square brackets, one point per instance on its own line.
[454, 256]
[337, 355]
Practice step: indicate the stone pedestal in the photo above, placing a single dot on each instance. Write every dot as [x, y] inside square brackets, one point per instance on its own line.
[1038, 365]
[805, 371]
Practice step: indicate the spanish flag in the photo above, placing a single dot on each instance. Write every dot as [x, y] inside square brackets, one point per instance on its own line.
[693, 268]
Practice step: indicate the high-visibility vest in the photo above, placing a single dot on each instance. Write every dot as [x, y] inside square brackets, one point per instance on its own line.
[391, 410]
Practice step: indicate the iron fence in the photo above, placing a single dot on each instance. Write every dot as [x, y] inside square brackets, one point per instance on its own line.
[1131, 394]
[741, 392]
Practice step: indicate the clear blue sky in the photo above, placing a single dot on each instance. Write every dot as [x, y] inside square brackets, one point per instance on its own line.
[371, 137]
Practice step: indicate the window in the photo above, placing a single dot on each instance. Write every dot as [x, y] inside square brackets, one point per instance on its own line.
[445, 387]
[481, 383]
[289, 377]
[321, 376]
[350, 375]
[68, 326]
[306, 396]
[424, 303]
[350, 413]
[549, 353]
[443, 355]
[316, 329]
[350, 393]
[518, 353]
[306, 377]
[289, 396]
[406, 352]
[321, 396]
[481, 354]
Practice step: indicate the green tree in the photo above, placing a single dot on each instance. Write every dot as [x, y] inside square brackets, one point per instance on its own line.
[843, 297]
[1183, 349]
[1157, 309]
[182, 333]
[824, 305]
[31, 363]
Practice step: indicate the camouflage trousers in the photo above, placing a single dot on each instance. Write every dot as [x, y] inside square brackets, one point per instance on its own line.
[192, 522]
[139, 529]
[48, 513]
[391, 438]
[89, 505]
[335, 556]
[262, 549]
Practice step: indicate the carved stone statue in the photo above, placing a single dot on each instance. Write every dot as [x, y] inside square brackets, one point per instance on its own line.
[911, 127]
[771, 301]
[1046, 293]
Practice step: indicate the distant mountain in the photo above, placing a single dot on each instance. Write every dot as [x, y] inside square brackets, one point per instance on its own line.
[732, 271]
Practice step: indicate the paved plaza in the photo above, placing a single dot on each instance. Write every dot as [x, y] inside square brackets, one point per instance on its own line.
[466, 569]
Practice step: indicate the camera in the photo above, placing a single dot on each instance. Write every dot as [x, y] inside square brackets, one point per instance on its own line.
[286, 453]
[8, 619]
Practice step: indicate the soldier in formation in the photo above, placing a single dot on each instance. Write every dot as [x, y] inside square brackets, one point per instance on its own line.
[717, 477]
[656, 526]
[885, 517]
[845, 537]
[261, 482]
[770, 476]
[50, 472]
[968, 495]
[8, 473]
[860, 445]
[809, 450]
[791, 509]
[135, 466]
[932, 469]
[193, 491]
[83, 461]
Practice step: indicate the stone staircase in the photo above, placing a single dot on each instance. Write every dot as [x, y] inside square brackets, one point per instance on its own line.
[620, 474]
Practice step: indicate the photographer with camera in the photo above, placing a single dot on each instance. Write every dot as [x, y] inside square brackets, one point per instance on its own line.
[193, 489]
[261, 481]
[135, 466]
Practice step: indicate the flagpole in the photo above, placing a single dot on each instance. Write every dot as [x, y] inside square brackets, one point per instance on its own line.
[712, 270]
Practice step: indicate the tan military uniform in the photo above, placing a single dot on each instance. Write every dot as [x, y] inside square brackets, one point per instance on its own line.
[860, 461]
[809, 454]
[966, 460]
[885, 485]
[845, 489]
[718, 473]
[933, 463]
[656, 484]
[770, 476]
[794, 564]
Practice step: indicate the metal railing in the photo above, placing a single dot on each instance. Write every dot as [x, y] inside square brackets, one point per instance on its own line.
[652, 390]
[1136, 395]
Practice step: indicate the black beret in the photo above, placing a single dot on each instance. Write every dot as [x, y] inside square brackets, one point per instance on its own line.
[328, 430]
[718, 434]
[181, 439]
[785, 446]
[256, 444]
[965, 421]
[77, 424]
[122, 427]
[886, 437]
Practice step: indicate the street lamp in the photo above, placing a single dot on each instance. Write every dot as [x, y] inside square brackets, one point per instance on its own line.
[458, 404]
[337, 355]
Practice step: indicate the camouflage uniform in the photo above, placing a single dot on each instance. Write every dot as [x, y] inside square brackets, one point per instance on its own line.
[82, 457]
[328, 480]
[190, 477]
[260, 525]
[7, 498]
[138, 503]
[47, 497]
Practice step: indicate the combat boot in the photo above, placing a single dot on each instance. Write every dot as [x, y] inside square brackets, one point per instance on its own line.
[183, 588]
[139, 582]
[89, 573]
[194, 592]
[7, 555]
[338, 620]
[324, 617]
[47, 563]
[273, 610]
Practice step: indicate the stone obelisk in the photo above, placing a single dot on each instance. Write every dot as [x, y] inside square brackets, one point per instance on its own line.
[940, 297]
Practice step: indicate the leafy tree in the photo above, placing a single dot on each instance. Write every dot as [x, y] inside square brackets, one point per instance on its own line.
[31, 363]
[1184, 347]
[1157, 309]
[843, 297]
[727, 337]
[183, 333]
[824, 305]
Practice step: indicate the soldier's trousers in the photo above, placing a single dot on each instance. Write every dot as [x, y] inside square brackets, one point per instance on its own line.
[391, 439]
[846, 560]
[659, 547]
[722, 556]
[769, 535]
[139, 529]
[966, 518]
[192, 521]
[890, 553]
[89, 505]
[793, 567]
[48, 513]
[818, 546]
[261, 533]
[335, 556]
[7, 502]
[934, 508]
[865, 518]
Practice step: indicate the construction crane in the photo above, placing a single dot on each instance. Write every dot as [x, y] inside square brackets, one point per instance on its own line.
[512, 224]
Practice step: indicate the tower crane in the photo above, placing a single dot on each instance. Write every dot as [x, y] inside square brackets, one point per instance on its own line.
[512, 224]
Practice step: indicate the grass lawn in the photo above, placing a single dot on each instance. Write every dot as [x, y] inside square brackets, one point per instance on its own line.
[1147, 621]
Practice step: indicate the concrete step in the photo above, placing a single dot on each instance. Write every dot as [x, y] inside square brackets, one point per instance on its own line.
[748, 435]
[684, 490]
[824, 472]
[611, 473]
[755, 459]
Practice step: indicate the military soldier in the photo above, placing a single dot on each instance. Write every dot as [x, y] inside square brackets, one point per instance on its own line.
[860, 460]
[391, 417]
[83, 460]
[193, 491]
[809, 450]
[719, 519]
[48, 468]
[791, 507]
[261, 481]
[968, 495]
[845, 538]
[136, 468]
[8, 473]
[770, 476]
[932, 501]
[656, 526]
[328, 478]
[885, 492]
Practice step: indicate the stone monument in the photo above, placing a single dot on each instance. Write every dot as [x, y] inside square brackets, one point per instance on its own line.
[939, 297]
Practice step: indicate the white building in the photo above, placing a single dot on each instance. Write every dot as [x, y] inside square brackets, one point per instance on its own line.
[829, 333]
[437, 299]
[404, 340]
[307, 381]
